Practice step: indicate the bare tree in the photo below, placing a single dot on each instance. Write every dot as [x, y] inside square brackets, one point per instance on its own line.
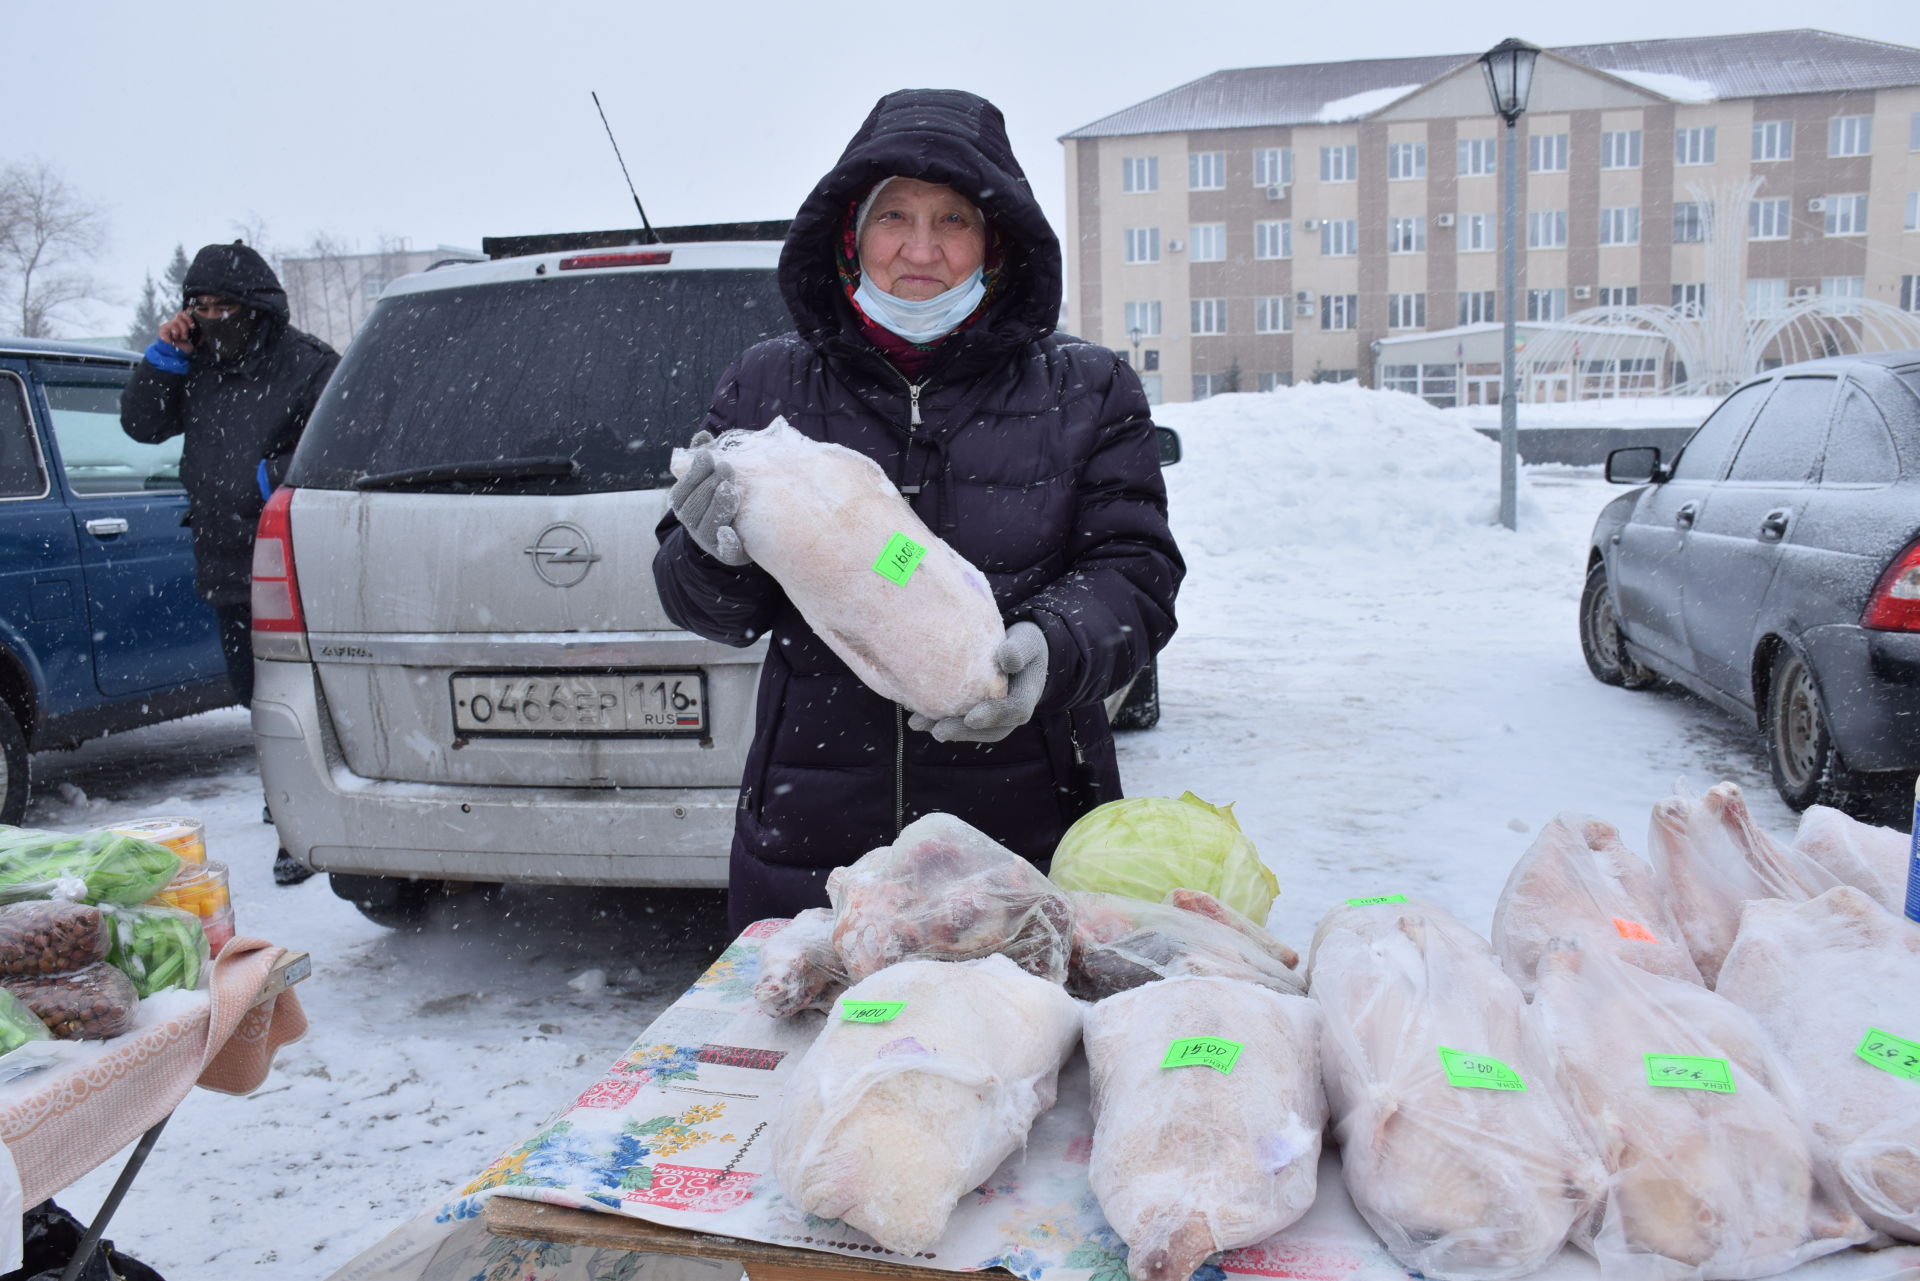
[49, 234]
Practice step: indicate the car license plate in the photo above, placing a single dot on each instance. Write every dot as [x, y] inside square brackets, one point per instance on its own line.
[652, 702]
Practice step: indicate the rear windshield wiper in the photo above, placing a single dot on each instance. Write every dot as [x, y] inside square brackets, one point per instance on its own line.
[479, 470]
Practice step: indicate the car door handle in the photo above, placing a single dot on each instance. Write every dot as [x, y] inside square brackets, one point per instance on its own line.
[106, 526]
[1773, 526]
[1683, 518]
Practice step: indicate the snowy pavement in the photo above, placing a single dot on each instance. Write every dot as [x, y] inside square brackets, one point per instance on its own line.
[1387, 686]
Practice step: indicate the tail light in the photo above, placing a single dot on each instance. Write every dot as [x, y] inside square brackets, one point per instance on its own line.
[590, 262]
[1895, 603]
[279, 629]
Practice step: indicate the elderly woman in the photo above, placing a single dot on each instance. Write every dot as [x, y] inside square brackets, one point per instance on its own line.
[924, 283]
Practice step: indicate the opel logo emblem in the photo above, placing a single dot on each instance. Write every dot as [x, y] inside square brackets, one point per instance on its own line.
[562, 554]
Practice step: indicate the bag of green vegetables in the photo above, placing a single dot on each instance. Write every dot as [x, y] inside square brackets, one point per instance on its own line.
[18, 1024]
[156, 946]
[98, 867]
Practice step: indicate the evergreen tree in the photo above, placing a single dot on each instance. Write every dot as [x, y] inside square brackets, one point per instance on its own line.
[149, 314]
[175, 280]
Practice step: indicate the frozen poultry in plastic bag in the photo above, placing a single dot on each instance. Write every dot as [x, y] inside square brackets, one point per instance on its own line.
[799, 970]
[1459, 1182]
[1207, 905]
[1190, 1161]
[1715, 859]
[887, 1125]
[1120, 943]
[1702, 1183]
[1859, 854]
[947, 891]
[1578, 881]
[1820, 977]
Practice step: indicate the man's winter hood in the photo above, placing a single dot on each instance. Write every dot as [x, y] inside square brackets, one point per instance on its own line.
[936, 135]
[236, 271]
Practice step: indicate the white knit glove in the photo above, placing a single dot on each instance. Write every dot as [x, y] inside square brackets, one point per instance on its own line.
[706, 502]
[1023, 657]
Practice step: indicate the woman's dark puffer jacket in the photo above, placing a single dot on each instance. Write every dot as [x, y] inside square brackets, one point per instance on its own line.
[1034, 457]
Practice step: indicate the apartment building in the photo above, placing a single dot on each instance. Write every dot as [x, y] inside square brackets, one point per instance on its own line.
[1268, 225]
[332, 289]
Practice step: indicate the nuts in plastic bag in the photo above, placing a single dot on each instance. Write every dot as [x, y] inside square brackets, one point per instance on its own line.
[38, 939]
[86, 1005]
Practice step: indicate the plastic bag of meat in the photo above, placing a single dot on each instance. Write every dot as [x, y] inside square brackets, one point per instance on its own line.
[1120, 943]
[1207, 905]
[888, 1123]
[1835, 982]
[1711, 1171]
[799, 970]
[1456, 1145]
[1190, 1160]
[916, 622]
[1859, 854]
[947, 891]
[1578, 881]
[1714, 860]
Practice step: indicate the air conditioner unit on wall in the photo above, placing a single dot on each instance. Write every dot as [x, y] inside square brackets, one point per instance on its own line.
[1304, 295]
[1175, 246]
[1311, 224]
[1817, 205]
[1804, 291]
[1303, 309]
[1443, 220]
[1277, 192]
[1583, 291]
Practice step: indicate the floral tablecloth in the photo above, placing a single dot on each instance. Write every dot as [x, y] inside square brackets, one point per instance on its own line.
[674, 1132]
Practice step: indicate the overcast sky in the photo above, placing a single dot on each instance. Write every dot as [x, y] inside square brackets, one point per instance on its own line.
[445, 123]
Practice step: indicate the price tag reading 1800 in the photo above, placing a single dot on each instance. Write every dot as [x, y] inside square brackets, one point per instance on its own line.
[871, 1011]
[1478, 1072]
[1890, 1053]
[1689, 1072]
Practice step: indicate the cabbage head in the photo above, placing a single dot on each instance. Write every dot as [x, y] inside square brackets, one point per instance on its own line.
[1146, 845]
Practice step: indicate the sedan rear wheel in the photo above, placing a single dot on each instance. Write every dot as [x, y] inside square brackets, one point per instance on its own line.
[1600, 640]
[1807, 769]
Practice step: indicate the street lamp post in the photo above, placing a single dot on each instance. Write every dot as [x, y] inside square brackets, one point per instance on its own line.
[1135, 335]
[1509, 71]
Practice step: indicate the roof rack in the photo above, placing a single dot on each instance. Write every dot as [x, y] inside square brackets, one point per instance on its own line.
[563, 241]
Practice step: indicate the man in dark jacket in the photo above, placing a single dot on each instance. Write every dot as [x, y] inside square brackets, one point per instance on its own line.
[229, 372]
[1030, 452]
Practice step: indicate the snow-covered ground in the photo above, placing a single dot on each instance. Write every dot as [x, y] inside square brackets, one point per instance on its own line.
[1387, 685]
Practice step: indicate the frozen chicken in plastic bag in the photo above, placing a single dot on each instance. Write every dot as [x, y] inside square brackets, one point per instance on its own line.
[1578, 881]
[916, 622]
[1120, 943]
[1859, 854]
[1459, 1181]
[1835, 981]
[1192, 1160]
[1713, 1177]
[945, 890]
[886, 1125]
[799, 970]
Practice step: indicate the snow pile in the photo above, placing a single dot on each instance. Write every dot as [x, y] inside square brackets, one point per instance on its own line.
[1355, 106]
[1668, 85]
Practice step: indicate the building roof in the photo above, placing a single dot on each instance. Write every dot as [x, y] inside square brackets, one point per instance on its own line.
[1755, 65]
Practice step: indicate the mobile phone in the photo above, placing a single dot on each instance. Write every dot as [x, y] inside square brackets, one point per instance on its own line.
[193, 331]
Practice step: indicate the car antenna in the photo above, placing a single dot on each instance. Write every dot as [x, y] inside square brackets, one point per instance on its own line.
[652, 235]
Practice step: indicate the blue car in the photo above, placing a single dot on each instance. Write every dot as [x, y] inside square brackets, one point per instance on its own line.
[100, 629]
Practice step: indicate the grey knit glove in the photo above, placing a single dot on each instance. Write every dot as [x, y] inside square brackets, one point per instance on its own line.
[1023, 657]
[706, 502]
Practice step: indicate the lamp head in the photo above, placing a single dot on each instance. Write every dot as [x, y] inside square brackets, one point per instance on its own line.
[1508, 67]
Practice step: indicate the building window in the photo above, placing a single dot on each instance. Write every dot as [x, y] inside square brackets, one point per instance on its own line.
[1689, 222]
[1766, 298]
[1438, 385]
[1620, 226]
[1139, 173]
[1272, 315]
[1339, 311]
[1276, 379]
[1913, 211]
[1849, 135]
[1913, 132]
[1910, 293]
[1476, 307]
[1773, 140]
[1620, 150]
[1629, 377]
[1150, 384]
[1337, 164]
[1546, 229]
[1339, 238]
[1546, 304]
[1478, 156]
[1619, 295]
[1691, 299]
[1209, 316]
[1770, 219]
[1207, 242]
[1406, 160]
[1407, 235]
[1273, 167]
[1406, 311]
[1694, 146]
[1273, 239]
[1206, 386]
[1846, 293]
[1143, 244]
[1145, 317]
[1474, 233]
[1547, 153]
[1846, 216]
[1206, 171]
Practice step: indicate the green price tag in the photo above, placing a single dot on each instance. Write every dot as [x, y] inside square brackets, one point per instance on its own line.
[1890, 1053]
[1378, 898]
[1686, 1072]
[871, 1011]
[1478, 1072]
[1203, 1051]
[899, 560]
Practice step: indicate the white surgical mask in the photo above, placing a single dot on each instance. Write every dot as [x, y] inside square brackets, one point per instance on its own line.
[928, 319]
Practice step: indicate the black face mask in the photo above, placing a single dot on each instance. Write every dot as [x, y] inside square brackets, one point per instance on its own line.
[228, 339]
